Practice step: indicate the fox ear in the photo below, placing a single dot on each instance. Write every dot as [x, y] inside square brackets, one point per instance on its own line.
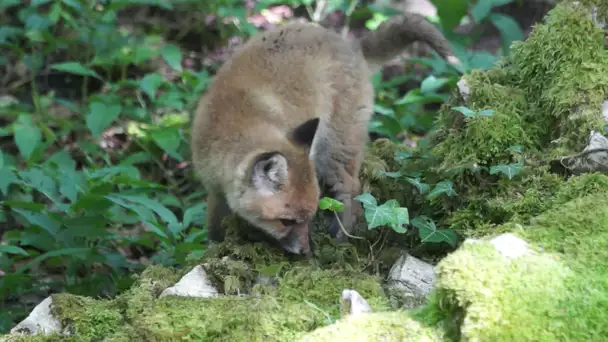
[305, 132]
[269, 171]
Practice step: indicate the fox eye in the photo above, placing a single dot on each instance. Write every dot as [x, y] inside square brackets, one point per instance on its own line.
[288, 223]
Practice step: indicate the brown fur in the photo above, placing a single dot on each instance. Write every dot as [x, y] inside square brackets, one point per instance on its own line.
[291, 107]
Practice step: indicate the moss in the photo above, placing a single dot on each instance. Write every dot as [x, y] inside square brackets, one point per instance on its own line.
[381, 326]
[519, 201]
[86, 317]
[559, 294]
[501, 299]
[579, 230]
[224, 319]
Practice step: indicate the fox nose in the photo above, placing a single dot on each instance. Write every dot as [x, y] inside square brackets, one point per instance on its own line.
[298, 240]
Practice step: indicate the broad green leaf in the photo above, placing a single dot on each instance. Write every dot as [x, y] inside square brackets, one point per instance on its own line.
[169, 139]
[173, 56]
[432, 83]
[328, 203]
[75, 68]
[39, 219]
[195, 214]
[450, 12]
[101, 116]
[428, 232]
[7, 177]
[150, 84]
[380, 109]
[481, 10]
[441, 188]
[509, 30]
[164, 213]
[8, 3]
[27, 135]
[79, 253]
[509, 170]
[7, 249]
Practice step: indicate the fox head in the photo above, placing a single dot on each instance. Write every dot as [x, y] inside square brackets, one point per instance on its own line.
[278, 191]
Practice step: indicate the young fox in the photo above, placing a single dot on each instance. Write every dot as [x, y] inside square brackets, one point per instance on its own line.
[287, 113]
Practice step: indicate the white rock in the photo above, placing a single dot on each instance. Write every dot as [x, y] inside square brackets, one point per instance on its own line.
[605, 110]
[510, 245]
[352, 303]
[411, 280]
[40, 320]
[464, 89]
[194, 284]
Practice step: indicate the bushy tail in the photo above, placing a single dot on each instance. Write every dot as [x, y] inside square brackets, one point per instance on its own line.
[395, 34]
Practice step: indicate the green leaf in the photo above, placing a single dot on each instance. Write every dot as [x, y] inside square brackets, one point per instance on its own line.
[195, 214]
[173, 56]
[13, 250]
[101, 116]
[328, 203]
[169, 139]
[150, 84]
[509, 170]
[481, 10]
[451, 12]
[27, 135]
[162, 211]
[7, 177]
[394, 175]
[79, 253]
[423, 188]
[39, 219]
[464, 110]
[432, 83]
[75, 68]
[445, 187]
[428, 232]
[509, 30]
[387, 214]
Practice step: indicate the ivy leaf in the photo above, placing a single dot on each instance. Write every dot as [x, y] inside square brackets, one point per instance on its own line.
[481, 10]
[13, 250]
[27, 135]
[173, 56]
[328, 203]
[101, 116]
[387, 214]
[394, 175]
[509, 170]
[428, 232]
[423, 188]
[75, 68]
[445, 187]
